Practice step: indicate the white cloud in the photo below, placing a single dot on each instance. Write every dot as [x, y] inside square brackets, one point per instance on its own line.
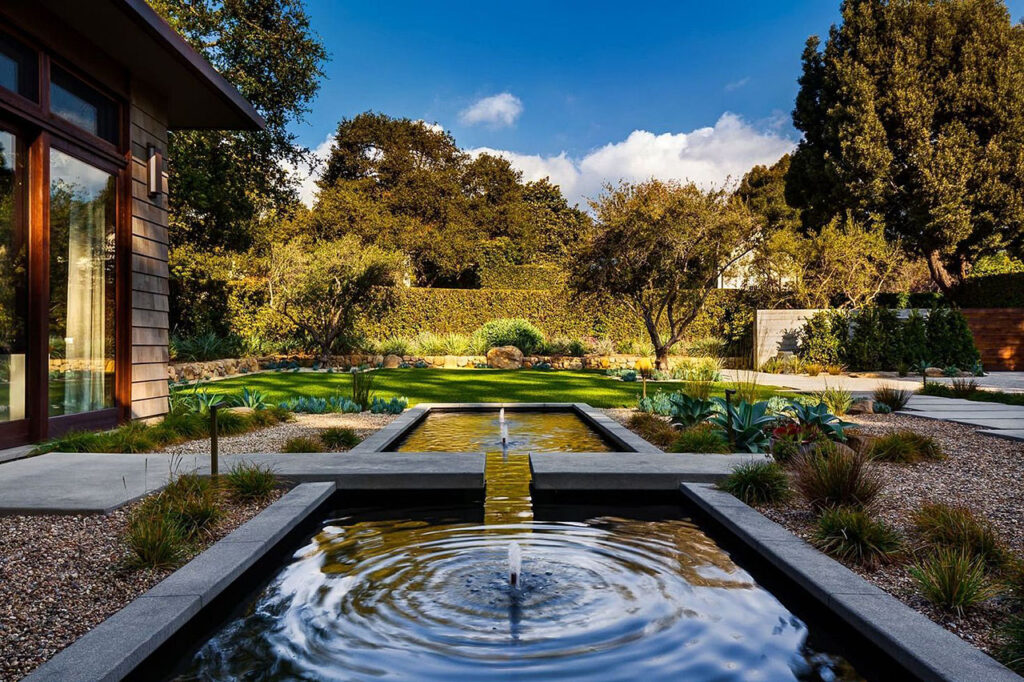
[736, 85]
[308, 173]
[498, 111]
[707, 156]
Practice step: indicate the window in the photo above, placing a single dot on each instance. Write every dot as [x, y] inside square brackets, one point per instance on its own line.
[18, 68]
[82, 323]
[79, 104]
[13, 279]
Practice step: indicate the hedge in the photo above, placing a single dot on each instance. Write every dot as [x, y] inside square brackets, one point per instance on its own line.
[533, 277]
[991, 291]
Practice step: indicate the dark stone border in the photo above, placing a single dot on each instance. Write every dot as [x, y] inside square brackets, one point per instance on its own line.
[618, 471]
[925, 648]
[117, 646]
[610, 430]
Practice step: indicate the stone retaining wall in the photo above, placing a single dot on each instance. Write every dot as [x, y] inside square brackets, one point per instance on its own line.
[192, 371]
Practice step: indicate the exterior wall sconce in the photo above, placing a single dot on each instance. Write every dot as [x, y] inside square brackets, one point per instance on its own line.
[154, 171]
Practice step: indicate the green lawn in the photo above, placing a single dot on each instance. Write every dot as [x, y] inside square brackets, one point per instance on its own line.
[451, 386]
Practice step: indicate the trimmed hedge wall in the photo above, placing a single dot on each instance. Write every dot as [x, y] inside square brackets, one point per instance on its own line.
[991, 291]
[728, 314]
[534, 277]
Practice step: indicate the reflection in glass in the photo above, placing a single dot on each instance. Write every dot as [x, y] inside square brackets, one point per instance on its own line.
[82, 210]
[77, 103]
[8, 72]
[13, 279]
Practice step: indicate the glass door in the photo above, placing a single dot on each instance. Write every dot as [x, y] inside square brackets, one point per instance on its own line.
[82, 286]
[13, 283]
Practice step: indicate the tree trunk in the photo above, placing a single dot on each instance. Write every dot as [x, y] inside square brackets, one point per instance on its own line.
[940, 275]
[661, 358]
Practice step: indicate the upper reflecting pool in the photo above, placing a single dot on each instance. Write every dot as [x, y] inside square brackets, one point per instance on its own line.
[481, 432]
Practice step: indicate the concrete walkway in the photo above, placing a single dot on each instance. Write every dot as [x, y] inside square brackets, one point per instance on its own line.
[88, 483]
[993, 419]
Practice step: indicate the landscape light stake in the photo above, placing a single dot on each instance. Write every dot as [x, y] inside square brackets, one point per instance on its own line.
[729, 392]
[213, 441]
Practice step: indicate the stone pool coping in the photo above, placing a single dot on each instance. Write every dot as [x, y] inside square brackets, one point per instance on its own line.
[628, 471]
[613, 431]
[117, 646]
[923, 647]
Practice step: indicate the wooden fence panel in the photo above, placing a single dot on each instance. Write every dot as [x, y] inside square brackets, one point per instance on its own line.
[999, 336]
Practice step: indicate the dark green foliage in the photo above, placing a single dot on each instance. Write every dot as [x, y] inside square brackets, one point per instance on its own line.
[72, 441]
[893, 397]
[832, 476]
[943, 391]
[914, 341]
[338, 437]
[874, 341]
[943, 525]
[914, 299]
[302, 444]
[190, 500]
[963, 388]
[819, 418]
[823, 338]
[362, 389]
[952, 578]
[991, 291]
[701, 438]
[758, 483]
[516, 332]
[249, 482]
[1010, 650]
[522, 277]
[949, 339]
[689, 411]
[653, 429]
[132, 437]
[744, 424]
[154, 540]
[851, 535]
[203, 347]
[906, 447]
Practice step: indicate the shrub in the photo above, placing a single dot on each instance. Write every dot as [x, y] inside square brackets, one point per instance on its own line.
[393, 406]
[701, 438]
[834, 369]
[659, 403]
[818, 418]
[653, 429]
[758, 483]
[905, 447]
[512, 332]
[952, 578]
[893, 397]
[251, 398]
[837, 400]
[744, 424]
[835, 476]
[942, 525]
[362, 388]
[190, 500]
[746, 387]
[302, 444]
[202, 347]
[822, 337]
[963, 388]
[813, 369]
[851, 535]
[132, 437]
[791, 439]
[706, 347]
[154, 540]
[393, 345]
[339, 437]
[248, 481]
[689, 411]
[1010, 649]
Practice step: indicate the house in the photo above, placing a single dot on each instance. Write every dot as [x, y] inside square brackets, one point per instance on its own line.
[88, 93]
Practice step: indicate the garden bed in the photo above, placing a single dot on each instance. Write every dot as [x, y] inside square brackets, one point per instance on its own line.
[60, 576]
[979, 472]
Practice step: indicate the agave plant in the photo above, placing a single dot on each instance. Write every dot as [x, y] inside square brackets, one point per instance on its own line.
[818, 416]
[202, 401]
[689, 411]
[251, 398]
[745, 423]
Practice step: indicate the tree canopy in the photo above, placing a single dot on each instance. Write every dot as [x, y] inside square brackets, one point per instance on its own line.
[661, 247]
[913, 119]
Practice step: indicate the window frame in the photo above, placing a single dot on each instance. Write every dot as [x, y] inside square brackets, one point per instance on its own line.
[43, 130]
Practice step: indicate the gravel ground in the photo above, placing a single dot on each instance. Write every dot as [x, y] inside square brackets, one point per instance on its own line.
[60, 576]
[980, 472]
[272, 439]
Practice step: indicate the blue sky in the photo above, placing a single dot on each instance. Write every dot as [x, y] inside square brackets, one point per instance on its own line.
[561, 88]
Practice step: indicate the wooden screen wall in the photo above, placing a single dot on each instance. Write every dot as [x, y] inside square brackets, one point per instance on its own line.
[999, 336]
[150, 304]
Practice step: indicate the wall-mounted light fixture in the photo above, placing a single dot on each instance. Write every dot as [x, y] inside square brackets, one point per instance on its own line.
[154, 171]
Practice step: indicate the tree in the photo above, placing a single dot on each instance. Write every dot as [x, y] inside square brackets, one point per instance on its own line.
[763, 189]
[660, 247]
[913, 118]
[323, 287]
[224, 181]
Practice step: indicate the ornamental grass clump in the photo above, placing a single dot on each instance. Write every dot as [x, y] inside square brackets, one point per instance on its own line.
[852, 536]
[905, 447]
[516, 332]
[701, 438]
[154, 540]
[943, 525]
[302, 444]
[952, 579]
[338, 437]
[836, 476]
[758, 482]
[837, 400]
[192, 502]
[653, 429]
[893, 397]
[1010, 647]
[249, 482]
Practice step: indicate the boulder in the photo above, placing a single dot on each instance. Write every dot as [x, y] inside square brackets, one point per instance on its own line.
[505, 357]
[934, 372]
[862, 406]
[450, 362]
[861, 442]
[392, 361]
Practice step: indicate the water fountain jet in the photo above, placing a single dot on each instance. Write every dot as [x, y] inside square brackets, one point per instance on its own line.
[515, 563]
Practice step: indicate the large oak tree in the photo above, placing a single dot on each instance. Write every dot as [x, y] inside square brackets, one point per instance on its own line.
[913, 119]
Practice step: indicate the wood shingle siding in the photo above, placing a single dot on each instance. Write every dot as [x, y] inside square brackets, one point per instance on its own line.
[150, 288]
